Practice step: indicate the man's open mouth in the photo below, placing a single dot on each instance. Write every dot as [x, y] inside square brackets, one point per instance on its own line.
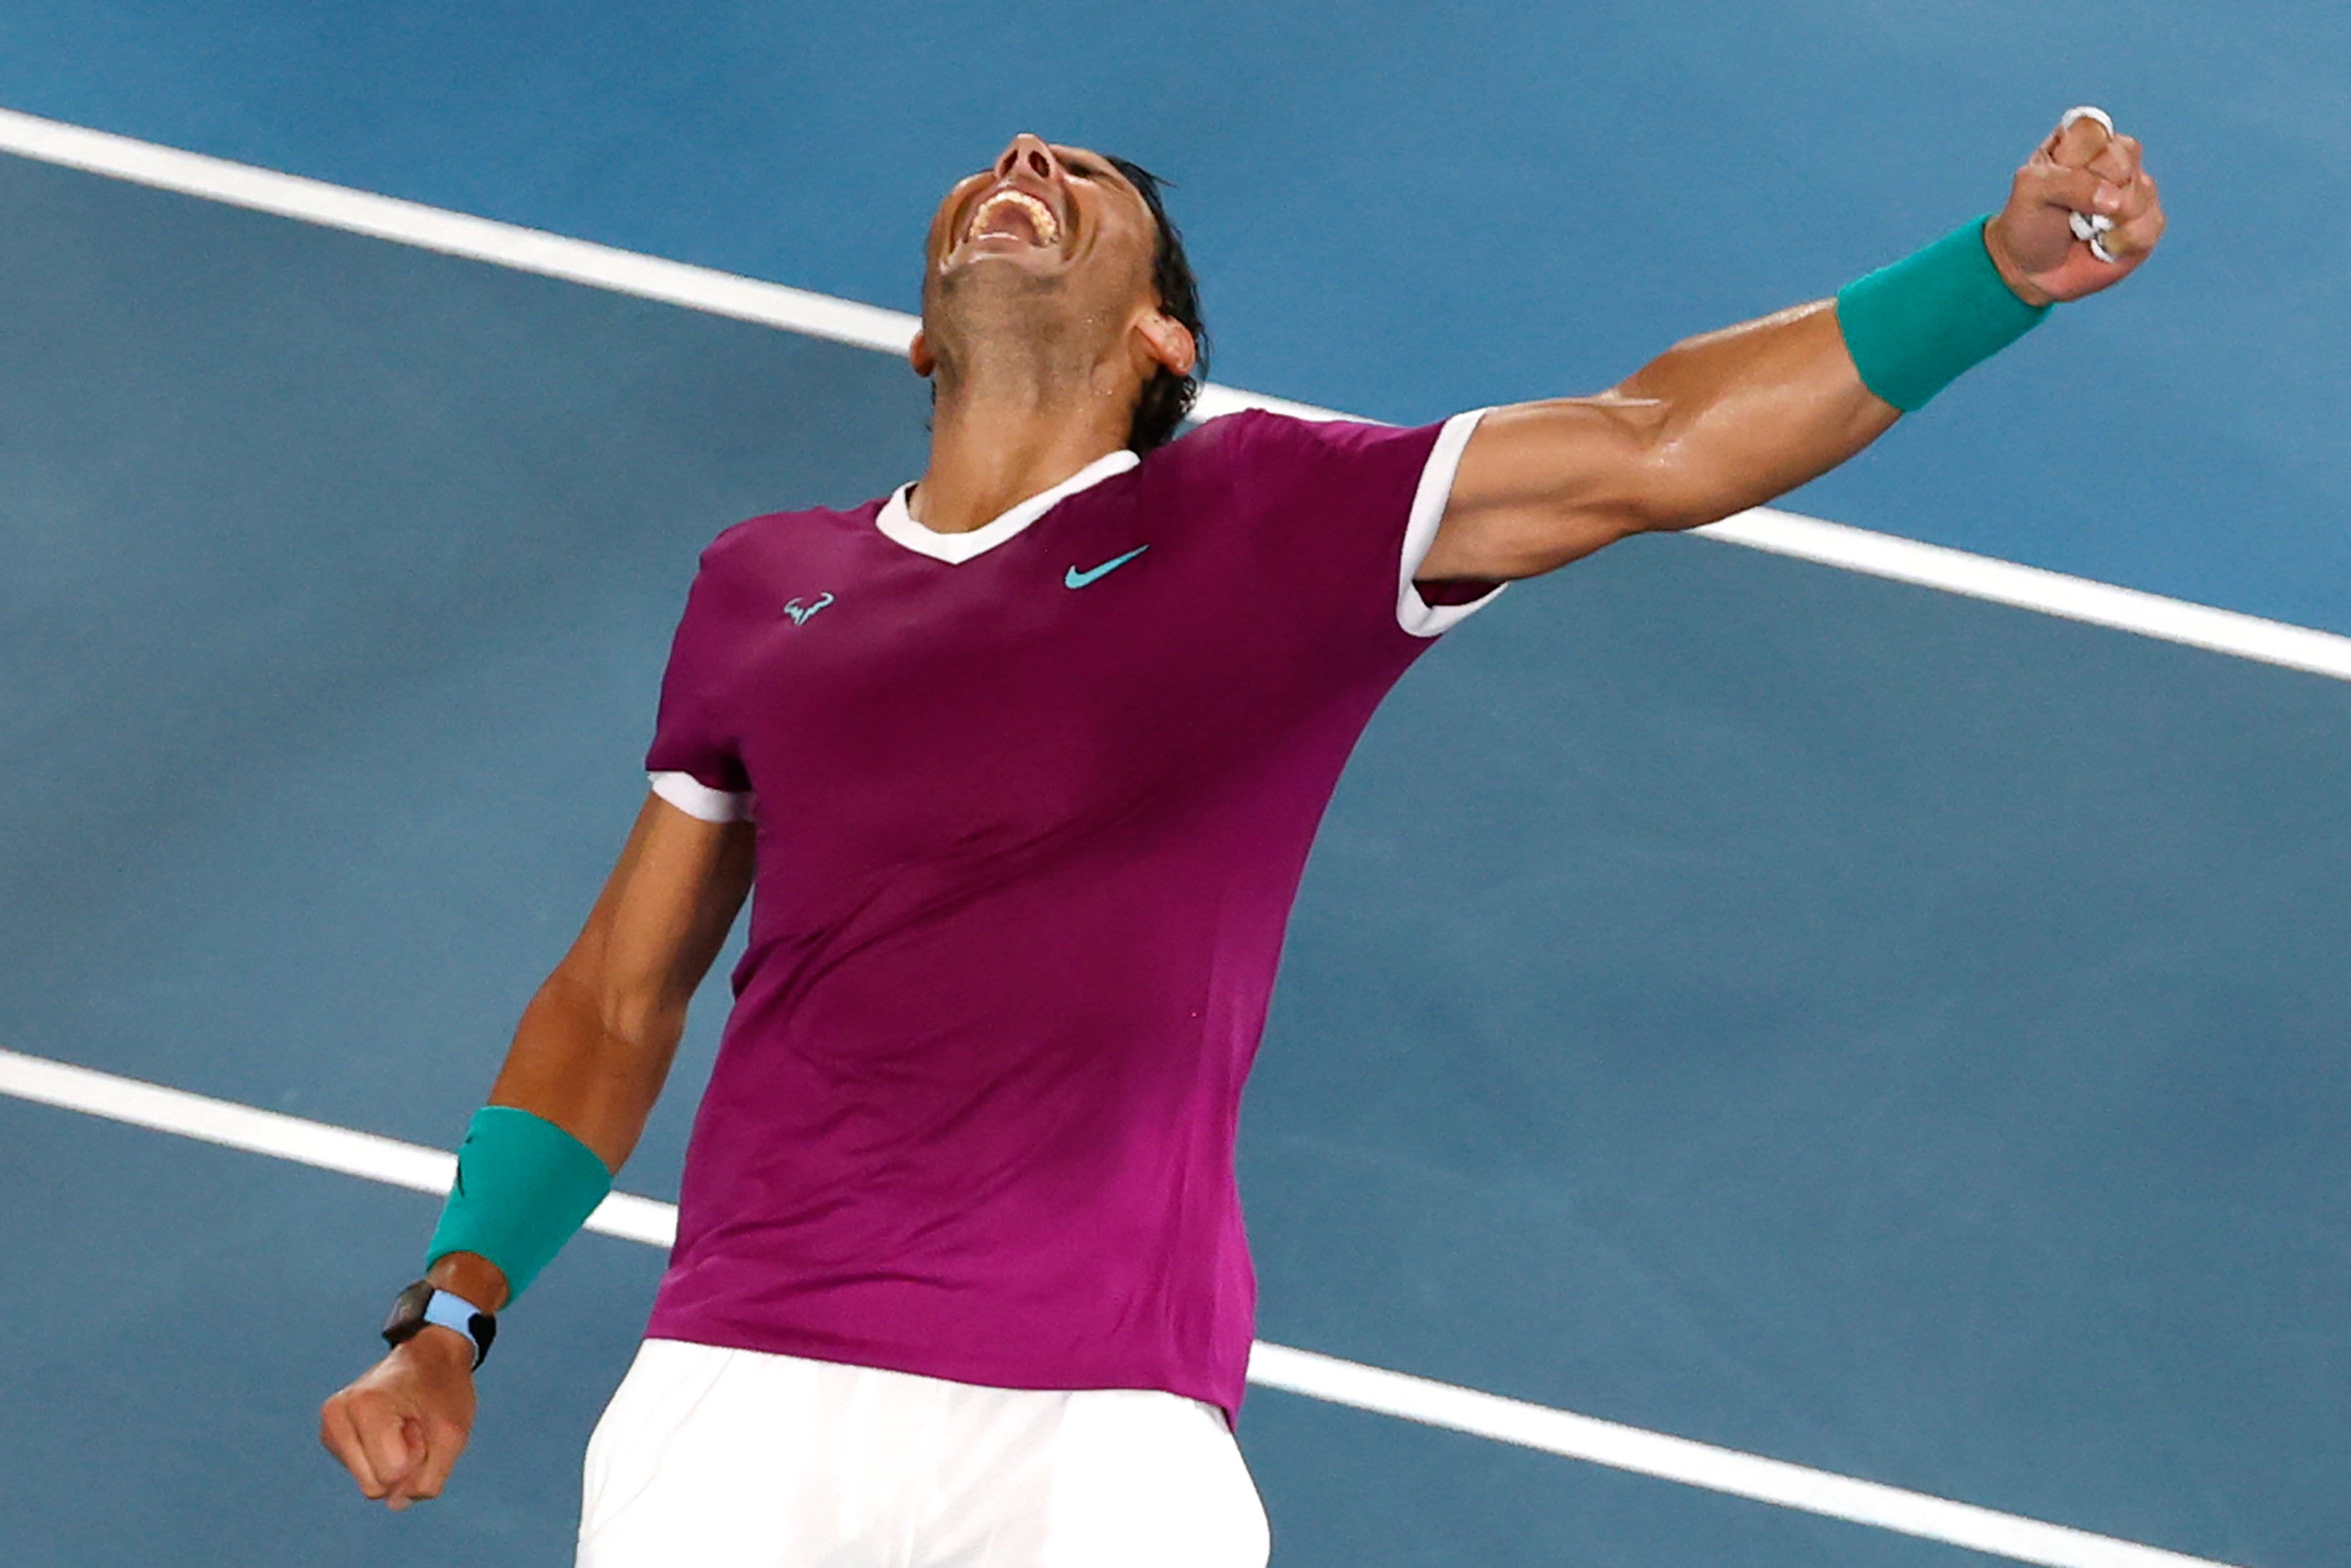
[1016, 215]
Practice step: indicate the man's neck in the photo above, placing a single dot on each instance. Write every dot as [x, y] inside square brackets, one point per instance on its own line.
[990, 453]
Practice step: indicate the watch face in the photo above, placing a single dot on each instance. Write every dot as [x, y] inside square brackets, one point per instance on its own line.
[407, 1313]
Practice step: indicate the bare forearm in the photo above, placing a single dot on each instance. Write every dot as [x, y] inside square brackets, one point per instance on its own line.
[1744, 414]
[568, 1065]
[1750, 413]
[595, 1043]
[469, 1277]
[571, 1066]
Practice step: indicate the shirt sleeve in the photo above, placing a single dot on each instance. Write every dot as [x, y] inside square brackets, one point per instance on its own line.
[694, 762]
[1354, 508]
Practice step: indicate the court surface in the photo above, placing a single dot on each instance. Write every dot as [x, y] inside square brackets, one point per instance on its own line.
[1830, 1018]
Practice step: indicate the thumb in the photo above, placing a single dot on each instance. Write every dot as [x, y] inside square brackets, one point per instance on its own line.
[2080, 137]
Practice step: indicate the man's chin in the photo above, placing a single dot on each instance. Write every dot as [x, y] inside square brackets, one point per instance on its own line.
[1037, 261]
[1003, 274]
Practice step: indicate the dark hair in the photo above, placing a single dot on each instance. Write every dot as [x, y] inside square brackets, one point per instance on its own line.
[1167, 397]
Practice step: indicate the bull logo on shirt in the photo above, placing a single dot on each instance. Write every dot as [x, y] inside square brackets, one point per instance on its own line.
[801, 612]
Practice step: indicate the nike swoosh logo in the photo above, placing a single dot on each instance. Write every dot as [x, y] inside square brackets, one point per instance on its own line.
[1076, 579]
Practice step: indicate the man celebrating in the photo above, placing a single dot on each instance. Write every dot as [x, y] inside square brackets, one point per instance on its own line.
[1024, 762]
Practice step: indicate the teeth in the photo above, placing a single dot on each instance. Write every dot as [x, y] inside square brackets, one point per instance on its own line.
[1048, 228]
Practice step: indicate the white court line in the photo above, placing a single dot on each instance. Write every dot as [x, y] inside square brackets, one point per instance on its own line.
[320, 1143]
[889, 331]
[2032, 588]
[454, 234]
[1303, 1371]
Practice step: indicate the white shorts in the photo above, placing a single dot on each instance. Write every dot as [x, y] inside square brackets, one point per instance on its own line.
[734, 1459]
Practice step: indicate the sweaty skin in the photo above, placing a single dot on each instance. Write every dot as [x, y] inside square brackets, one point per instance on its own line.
[1039, 338]
[1038, 351]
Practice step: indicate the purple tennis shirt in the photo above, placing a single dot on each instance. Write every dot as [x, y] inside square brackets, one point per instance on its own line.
[1031, 803]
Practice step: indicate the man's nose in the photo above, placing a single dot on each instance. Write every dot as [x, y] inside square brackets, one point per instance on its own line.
[1027, 152]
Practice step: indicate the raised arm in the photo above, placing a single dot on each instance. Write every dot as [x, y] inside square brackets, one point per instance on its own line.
[1727, 421]
[589, 1057]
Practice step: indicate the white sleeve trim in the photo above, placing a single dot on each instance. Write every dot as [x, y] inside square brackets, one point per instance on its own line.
[695, 799]
[1414, 613]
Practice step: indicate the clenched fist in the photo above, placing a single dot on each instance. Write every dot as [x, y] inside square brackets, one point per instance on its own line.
[2082, 168]
[400, 1427]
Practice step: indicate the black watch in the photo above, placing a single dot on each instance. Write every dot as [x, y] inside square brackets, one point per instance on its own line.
[423, 1303]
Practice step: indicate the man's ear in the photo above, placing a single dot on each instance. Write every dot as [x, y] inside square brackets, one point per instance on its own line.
[919, 355]
[1167, 342]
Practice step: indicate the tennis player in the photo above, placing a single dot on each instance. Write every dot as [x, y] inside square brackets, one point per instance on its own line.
[1023, 761]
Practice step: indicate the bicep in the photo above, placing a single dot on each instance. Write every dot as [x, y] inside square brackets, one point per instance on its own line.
[1542, 484]
[663, 915]
[1712, 426]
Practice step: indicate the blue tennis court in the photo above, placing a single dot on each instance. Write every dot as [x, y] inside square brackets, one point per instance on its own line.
[1850, 1022]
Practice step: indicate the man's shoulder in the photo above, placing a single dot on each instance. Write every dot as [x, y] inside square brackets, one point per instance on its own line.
[762, 537]
[1270, 434]
[1246, 427]
[1271, 453]
[1247, 444]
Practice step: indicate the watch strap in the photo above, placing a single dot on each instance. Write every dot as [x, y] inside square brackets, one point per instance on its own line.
[424, 1305]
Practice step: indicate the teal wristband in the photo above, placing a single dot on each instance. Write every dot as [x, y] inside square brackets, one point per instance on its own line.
[523, 1184]
[1915, 327]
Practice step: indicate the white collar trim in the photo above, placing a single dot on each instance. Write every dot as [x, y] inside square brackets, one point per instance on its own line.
[899, 525]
